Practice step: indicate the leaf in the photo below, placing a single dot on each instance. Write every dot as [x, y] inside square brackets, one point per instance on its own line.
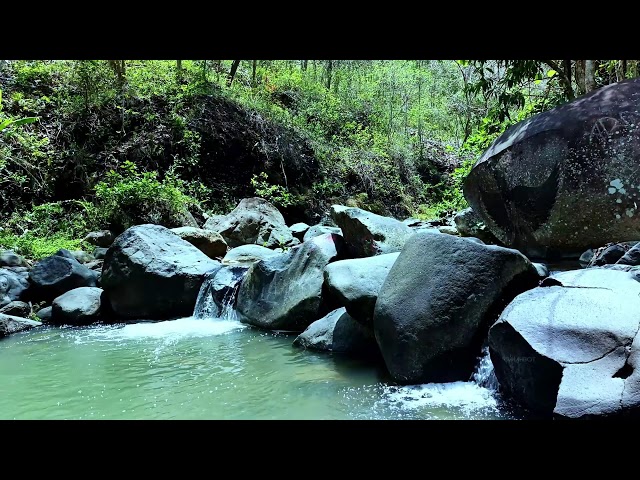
[24, 121]
[551, 73]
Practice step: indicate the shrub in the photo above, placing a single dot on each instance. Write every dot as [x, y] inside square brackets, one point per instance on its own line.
[35, 247]
[127, 197]
[276, 194]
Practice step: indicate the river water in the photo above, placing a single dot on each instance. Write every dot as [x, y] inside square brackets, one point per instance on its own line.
[210, 369]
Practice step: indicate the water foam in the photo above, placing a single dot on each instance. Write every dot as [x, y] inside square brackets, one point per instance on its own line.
[479, 395]
[168, 330]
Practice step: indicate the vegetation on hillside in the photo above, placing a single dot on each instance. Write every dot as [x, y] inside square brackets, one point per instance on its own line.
[120, 142]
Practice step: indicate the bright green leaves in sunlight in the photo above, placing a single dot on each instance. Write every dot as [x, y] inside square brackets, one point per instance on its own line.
[15, 122]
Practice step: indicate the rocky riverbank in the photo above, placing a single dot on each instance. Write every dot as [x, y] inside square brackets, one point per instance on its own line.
[423, 297]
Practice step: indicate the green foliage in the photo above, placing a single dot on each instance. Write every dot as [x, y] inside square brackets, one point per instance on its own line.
[46, 228]
[128, 197]
[276, 194]
[36, 247]
[71, 218]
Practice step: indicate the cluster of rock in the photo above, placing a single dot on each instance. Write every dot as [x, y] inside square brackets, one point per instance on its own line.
[422, 296]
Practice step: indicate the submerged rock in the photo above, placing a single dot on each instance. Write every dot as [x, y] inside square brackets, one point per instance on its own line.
[284, 292]
[150, 272]
[338, 332]
[355, 284]
[572, 349]
[564, 180]
[438, 301]
[367, 234]
[9, 324]
[80, 306]
[253, 221]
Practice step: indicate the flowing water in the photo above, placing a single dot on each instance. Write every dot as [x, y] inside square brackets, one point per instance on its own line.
[213, 368]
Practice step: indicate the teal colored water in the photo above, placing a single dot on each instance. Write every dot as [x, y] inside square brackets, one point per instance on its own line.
[207, 369]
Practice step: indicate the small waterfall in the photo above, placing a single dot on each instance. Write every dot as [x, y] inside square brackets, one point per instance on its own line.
[228, 308]
[205, 305]
[484, 374]
[224, 309]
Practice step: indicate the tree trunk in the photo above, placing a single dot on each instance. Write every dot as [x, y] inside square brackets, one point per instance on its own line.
[328, 73]
[304, 65]
[579, 74]
[420, 115]
[232, 72]
[119, 68]
[589, 75]
[253, 72]
[621, 70]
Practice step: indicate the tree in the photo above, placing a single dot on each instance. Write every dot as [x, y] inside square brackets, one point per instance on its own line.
[232, 72]
[508, 84]
[119, 67]
[253, 72]
[328, 73]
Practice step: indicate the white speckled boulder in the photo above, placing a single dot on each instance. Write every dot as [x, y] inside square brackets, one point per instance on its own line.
[567, 179]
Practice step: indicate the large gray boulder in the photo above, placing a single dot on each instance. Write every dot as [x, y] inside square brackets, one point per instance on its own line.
[13, 284]
[572, 349]
[355, 284]
[80, 306]
[338, 332]
[564, 180]
[9, 324]
[150, 272]
[285, 292]
[248, 254]
[254, 220]
[367, 234]
[52, 276]
[17, 309]
[438, 301]
[210, 243]
[317, 230]
[11, 259]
